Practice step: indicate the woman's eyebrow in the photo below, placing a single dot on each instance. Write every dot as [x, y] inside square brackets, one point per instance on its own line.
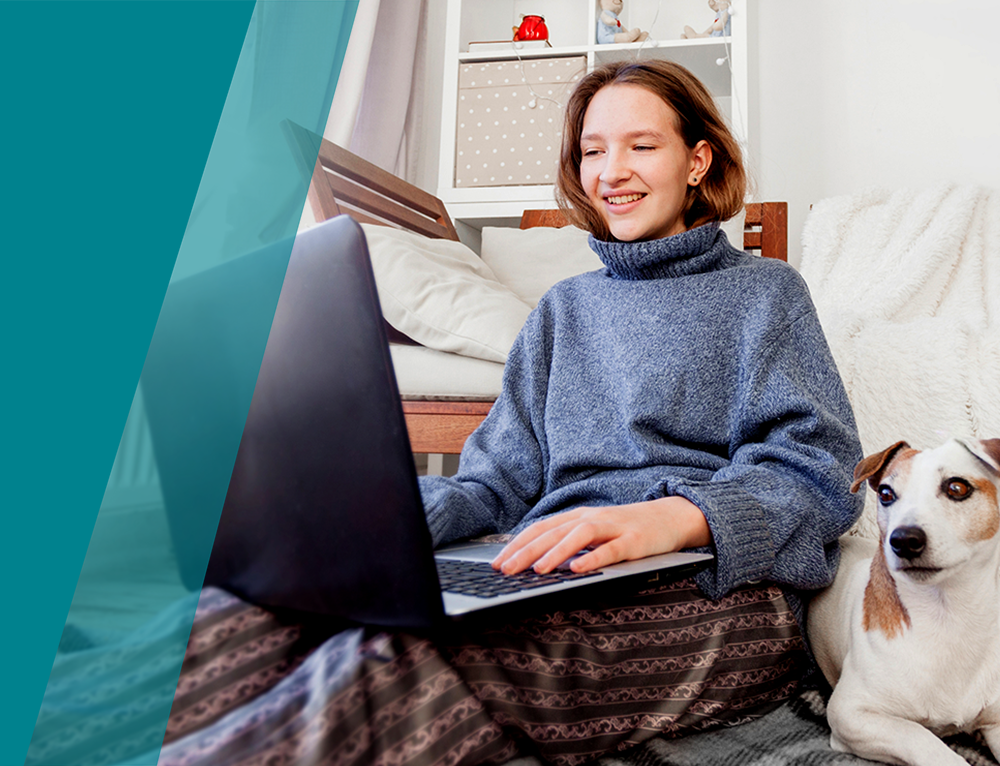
[632, 135]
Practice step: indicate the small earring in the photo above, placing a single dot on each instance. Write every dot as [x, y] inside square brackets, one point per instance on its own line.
[694, 180]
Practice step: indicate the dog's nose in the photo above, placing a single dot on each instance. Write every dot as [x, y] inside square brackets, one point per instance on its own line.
[908, 542]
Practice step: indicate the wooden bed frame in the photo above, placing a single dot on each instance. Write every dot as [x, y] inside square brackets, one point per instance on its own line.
[342, 182]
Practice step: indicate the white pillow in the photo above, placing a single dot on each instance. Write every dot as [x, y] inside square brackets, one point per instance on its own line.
[441, 294]
[530, 261]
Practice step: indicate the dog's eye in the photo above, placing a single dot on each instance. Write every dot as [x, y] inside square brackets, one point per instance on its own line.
[886, 496]
[957, 489]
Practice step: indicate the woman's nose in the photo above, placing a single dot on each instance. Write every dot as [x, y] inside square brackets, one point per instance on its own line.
[615, 168]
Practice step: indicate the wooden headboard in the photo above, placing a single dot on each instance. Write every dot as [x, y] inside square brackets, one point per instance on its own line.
[342, 182]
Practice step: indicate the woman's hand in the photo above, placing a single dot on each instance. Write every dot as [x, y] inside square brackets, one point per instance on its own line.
[616, 533]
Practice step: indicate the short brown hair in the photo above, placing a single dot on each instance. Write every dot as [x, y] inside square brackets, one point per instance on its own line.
[720, 194]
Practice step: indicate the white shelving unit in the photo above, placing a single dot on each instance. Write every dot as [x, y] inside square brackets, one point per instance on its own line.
[572, 28]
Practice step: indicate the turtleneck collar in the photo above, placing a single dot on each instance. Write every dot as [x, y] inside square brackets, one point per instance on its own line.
[695, 251]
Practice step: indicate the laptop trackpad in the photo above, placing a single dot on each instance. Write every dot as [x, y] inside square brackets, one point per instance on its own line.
[477, 550]
[470, 551]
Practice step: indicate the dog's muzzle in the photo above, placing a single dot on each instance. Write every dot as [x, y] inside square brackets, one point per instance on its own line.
[908, 542]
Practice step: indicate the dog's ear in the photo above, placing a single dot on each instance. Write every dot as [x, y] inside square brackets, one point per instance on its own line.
[987, 450]
[873, 466]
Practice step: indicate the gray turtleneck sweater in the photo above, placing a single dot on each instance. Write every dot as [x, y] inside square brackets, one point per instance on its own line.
[685, 367]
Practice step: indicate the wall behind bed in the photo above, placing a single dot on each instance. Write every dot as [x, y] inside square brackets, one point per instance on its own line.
[854, 94]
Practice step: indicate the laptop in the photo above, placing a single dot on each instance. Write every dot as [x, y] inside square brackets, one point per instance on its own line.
[323, 512]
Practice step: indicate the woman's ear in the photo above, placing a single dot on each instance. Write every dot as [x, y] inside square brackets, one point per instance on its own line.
[701, 160]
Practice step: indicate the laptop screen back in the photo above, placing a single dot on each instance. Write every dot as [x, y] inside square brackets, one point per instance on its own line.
[323, 511]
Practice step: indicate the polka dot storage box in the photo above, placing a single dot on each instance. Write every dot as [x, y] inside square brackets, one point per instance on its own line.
[508, 133]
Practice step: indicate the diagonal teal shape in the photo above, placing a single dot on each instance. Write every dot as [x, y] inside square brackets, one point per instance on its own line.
[109, 110]
[112, 684]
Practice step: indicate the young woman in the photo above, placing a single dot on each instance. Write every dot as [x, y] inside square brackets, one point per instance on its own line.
[681, 398]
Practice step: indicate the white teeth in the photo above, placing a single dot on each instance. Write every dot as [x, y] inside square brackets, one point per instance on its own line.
[625, 199]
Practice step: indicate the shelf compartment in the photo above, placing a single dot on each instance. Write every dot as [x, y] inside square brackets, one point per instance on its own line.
[510, 116]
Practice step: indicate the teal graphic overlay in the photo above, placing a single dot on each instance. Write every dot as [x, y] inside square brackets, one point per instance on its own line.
[111, 683]
[109, 110]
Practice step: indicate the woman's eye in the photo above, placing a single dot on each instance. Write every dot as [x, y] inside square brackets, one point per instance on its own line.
[644, 148]
[957, 489]
[885, 493]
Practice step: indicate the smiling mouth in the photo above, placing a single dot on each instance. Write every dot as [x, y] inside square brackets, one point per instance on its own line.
[624, 199]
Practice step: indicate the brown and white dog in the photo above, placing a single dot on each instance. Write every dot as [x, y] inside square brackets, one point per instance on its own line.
[908, 635]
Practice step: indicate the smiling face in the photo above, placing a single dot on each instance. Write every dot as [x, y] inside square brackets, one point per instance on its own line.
[636, 168]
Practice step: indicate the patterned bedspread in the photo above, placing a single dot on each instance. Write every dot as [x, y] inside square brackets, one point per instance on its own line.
[105, 732]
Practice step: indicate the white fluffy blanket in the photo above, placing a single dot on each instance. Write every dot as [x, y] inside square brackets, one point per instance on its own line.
[907, 285]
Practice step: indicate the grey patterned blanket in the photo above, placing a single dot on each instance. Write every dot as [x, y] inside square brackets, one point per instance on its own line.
[795, 734]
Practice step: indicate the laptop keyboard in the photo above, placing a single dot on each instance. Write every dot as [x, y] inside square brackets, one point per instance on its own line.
[478, 578]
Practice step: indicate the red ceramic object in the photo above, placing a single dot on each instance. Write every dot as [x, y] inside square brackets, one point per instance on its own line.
[532, 28]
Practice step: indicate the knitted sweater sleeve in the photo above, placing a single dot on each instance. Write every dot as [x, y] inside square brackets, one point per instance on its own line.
[502, 466]
[777, 509]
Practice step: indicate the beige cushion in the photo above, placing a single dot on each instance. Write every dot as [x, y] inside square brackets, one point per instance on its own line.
[442, 295]
[734, 229]
[530, 261]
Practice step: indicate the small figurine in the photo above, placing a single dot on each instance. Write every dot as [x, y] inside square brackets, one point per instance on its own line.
[720, 27]
[610, 29]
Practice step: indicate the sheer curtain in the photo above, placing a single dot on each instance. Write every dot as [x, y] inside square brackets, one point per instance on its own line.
[376, 86]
